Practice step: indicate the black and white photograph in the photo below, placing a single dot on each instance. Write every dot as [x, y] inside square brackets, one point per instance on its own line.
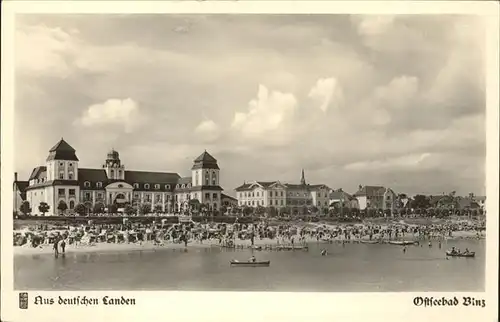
[249, 152]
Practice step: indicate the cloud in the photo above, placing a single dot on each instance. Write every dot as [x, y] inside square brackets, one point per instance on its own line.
[326, 91]
[42, 50]
[411, 161]
[269, 112]
[208, 130]
[373, 24]
[114, 112]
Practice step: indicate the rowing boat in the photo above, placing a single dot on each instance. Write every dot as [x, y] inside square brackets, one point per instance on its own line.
[471, 254]
[250, 264]
[402, 243]
[369, 241]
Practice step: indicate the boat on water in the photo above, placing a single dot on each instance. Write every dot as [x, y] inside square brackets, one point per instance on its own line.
[402, 242]
[369, 241]
[456, 254]
[236, 263]
[292, 247]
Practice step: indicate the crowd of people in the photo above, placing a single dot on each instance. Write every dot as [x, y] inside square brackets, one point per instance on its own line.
[229, 234]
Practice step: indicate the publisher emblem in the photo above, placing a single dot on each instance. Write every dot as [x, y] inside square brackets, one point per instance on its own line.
[23, 300]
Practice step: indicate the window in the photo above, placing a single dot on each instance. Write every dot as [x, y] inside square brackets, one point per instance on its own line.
[70, 164]
[61, 164]
[207, 182]
[71, 192]
[257, 194]
[60, 192]
[167, 186]
[70, 176]
[146, 186]
[183, 186]
[282, 202]
[71, 204]
[282, 193]
[207, 195]
[189, 185]
[253, 194]
[99, 185]
[270, 193]
[214, 178]
[120, 185]
[99, 195]
[157, 186]
[176, 186]
[214, 196]
[35, 193]
[136, 196]
[158, 198]
[136, 186]
[61, 175]
[112, 173]
[253, 203]
[119, 172]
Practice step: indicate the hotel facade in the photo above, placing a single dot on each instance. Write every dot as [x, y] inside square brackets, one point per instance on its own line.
[61, 180]
[279, 195]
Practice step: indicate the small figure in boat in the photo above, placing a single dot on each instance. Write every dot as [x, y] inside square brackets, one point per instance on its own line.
[466, 251]
[252, 259]
[430, 244]
[453, 250]
[324, 252]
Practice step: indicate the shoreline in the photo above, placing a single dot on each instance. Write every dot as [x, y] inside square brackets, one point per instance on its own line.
[149, 246]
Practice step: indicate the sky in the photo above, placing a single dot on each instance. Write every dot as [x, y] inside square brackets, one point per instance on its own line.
[396, 101]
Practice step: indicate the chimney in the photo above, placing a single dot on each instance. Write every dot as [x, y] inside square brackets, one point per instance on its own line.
[15, 176]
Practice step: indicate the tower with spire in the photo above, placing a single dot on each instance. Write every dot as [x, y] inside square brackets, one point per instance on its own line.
[114, 169]
[62, 162]
[205, 181]
[303, 179]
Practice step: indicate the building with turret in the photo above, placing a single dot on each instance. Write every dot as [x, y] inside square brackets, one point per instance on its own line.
[277, 194]
[62, 181]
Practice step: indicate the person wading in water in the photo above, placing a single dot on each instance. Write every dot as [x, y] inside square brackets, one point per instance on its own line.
[63, 246]
[56, 249]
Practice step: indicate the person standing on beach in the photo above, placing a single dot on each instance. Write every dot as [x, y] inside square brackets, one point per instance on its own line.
[56, 249]
[63, 246]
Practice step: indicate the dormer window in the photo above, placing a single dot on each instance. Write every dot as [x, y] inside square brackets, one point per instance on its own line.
[136, 186]
[86, 184]
[177, 186]
[183, 186]
[146, 186]
[70, 164]
[167, 186]
[120, 185]
[61, 175]
[189, 185]
[112, 172]
[99, 185]
[157, 186]
[61, 164]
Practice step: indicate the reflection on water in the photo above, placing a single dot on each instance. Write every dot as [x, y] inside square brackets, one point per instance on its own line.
[351, 267]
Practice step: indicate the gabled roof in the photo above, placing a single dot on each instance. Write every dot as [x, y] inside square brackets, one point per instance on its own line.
[339, 194]
[205, 161]
[21, 185]
[184, 180]
[223, 195]
[62, 151]
[38, 172]
[205, 157]
[245, 186]
[370, 191]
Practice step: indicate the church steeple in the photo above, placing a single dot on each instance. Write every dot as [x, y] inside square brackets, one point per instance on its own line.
[303, 178]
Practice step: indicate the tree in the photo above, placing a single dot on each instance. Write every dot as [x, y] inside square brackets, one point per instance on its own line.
[314, 210]
[420, 202]
[260, 210]
[112, 208]
[62, 206]
[80, 209]
[98, 208]
[43, 208]
[194, 204]
[272, 212]
[88, 207]
[130, 210]
[223, 210]
[158, 209]
[145, 208]
[247, 211]
[25, 208]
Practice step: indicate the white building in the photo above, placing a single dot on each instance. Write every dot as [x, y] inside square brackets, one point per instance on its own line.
[62, 181]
